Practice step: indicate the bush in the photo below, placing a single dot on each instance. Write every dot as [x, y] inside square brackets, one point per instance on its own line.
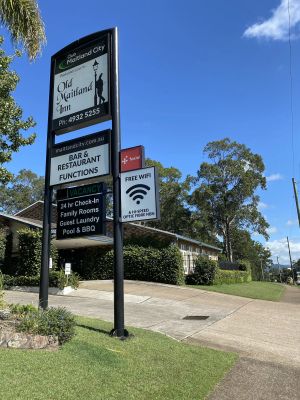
[204, 272]
[52, 322]
[30, 252]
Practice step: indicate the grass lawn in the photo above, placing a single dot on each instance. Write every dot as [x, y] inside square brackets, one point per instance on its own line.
[95, 366]
[253, 290]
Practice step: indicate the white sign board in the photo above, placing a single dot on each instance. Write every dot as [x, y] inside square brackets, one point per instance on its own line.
[67, 268]
[139, 195]
[80, 85]
[80, 159]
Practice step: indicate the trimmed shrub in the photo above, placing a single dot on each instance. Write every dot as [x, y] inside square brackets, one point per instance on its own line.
[53, 321]
[204, 272]
[57, 279]
[223, 276]
[30, 252]
[140, 263]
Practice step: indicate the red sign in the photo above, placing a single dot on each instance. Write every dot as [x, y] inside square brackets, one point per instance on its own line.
[132, 158]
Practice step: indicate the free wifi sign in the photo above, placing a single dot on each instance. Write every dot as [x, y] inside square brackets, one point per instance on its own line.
[139, 195]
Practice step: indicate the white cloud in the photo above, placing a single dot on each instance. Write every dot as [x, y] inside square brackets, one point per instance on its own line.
[274, 177]
[277, 26]
[272, 230]
[280, 248]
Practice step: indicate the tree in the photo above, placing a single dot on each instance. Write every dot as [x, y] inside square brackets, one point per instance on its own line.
[11, 123]
[22, 18]
[26, 188]
[245, 248]
[175, 213]
[225, 190]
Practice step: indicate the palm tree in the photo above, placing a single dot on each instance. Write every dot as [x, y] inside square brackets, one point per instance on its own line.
[22, 18]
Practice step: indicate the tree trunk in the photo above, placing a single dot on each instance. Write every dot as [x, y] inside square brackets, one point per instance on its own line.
[228, 242]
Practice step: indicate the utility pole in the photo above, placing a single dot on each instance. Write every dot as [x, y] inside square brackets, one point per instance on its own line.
[296, 199]
[291, 263]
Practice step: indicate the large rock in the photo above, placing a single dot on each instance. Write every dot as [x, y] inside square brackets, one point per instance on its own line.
[9, 338]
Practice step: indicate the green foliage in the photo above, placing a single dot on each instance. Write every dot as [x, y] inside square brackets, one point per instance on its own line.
[140, 263]
[53, 321]
[204, 272]
[149, 264]
[225, 193]
[11, 123]
[2, 302]
[9, 263]
[174, 192]
[20, 310]
[57, 279]
[30, 252]
[23, 20]
[245, 248]
[2, 245]
[228, 277]
[63, 280]
[25, 189]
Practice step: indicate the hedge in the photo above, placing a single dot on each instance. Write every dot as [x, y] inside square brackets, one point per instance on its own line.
[57, 279]
[225, 276]
[140, 263]
[30, 252]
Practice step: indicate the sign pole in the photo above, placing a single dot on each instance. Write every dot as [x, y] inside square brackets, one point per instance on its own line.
[46, 239]
[118, 231]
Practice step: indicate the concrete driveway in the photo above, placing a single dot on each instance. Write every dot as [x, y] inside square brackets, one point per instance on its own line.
[264, 333]
[264, 330]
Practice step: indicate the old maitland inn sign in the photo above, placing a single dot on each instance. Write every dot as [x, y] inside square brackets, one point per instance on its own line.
[81, 86]
[84, 90]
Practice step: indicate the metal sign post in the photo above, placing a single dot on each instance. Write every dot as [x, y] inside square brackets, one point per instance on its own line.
[118, 330]
[84, 90]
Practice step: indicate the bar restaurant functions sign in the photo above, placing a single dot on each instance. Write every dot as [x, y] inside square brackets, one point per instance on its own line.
[139, 195]
[80, 76]
[132, 158]
[80, 159]
[81, 211]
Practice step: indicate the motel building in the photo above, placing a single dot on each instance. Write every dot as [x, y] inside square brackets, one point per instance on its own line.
[32, 217]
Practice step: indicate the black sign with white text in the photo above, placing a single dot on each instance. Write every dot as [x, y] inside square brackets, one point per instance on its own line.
[80, 216]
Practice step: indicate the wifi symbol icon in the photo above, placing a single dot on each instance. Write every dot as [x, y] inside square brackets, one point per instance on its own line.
[138, 192]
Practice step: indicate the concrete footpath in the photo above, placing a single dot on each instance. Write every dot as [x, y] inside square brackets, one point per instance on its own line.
[265, 334]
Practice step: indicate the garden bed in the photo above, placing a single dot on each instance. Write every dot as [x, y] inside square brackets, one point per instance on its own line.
[10, 338]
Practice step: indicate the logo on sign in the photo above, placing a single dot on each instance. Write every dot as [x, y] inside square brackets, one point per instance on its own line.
[138, 192]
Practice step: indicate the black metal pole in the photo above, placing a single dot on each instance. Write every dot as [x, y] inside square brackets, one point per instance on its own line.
[44, 274]
[118, 229]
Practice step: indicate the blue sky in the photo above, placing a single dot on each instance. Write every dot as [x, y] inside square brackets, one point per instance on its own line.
[191, 72]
